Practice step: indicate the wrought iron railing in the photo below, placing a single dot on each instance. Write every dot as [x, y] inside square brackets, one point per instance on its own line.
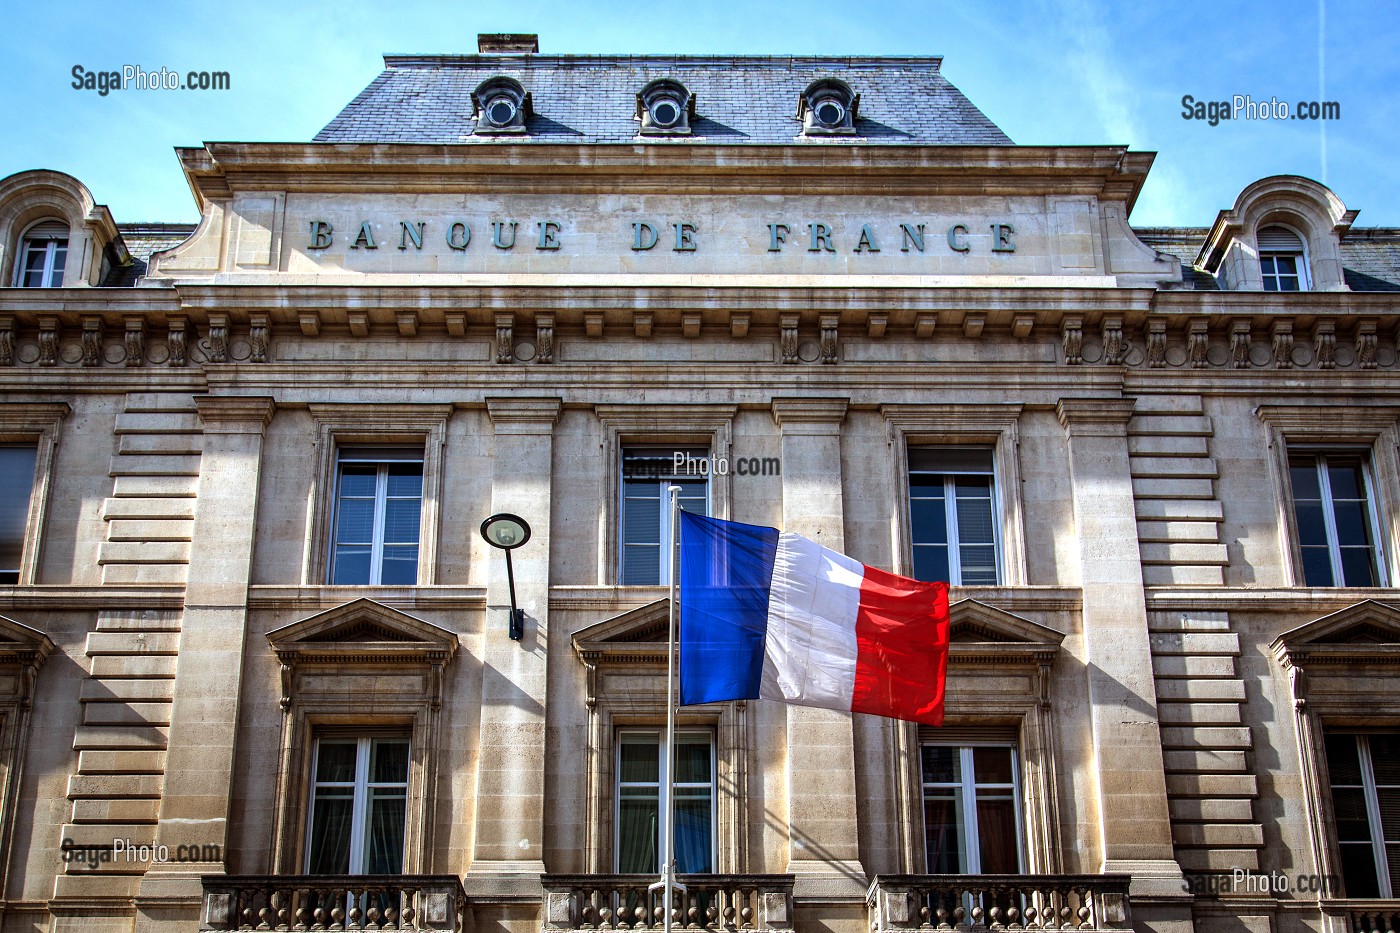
[333, 902]
[710, 902]
[1085, 903]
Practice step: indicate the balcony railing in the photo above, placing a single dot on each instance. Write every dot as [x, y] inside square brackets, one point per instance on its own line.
[333, 902]
[710, 902]
[1370, 916]
[1086, 903]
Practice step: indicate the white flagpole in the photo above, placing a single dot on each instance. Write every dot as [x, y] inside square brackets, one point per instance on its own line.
[668, 846]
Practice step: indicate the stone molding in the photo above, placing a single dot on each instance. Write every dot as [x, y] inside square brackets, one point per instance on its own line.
[23, 651]
[234, 414]
[38, 423]
[524, 415]
[810, 416]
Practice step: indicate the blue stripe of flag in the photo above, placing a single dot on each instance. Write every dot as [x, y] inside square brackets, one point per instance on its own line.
[726, 574]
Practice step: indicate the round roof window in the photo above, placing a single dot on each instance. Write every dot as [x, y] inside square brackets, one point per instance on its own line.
[829, 112]
[665, 112]
[500, 111]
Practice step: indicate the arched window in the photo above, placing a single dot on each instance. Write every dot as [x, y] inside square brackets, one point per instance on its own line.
[1282, 260]
[43, 253]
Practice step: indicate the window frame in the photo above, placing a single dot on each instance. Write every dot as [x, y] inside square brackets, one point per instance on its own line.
[709, 426]
[1387, 887]
[665, 761]
[1304, 267]
[995, 426]
[361, 786]
[1380, 555]
[378, 529]
[952, 530]
[971, 855]
[371, 425]
[28, 241]
[36, 424]
[664, 529]
[1370, 429]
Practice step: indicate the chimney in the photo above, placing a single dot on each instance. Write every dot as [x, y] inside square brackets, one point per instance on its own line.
[507, 43]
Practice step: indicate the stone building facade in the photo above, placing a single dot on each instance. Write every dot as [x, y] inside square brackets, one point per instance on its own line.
[256, 670]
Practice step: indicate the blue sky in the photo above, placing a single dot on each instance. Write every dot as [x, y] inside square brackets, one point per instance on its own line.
[1049, 73]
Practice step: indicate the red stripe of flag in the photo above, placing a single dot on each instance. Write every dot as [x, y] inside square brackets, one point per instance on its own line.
[901, 648]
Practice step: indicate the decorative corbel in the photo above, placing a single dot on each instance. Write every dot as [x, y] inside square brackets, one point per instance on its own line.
[505, 338]
[218, 338]
[875, 325]
[1072, 339]
[787, 341]
[435, 685]
[544, 338]
[135, 341]
[1156, 342]
[1325, 343]
[176, 341]
[1198, 342]
[287, 673]
[641, 324]
[1366, 343]
[739, 324]
[48, 340]
[359, 323]
[92, 341]
[310, 322]
[973, 324]
[1283, 343]
[924, 325]
[593, 323]
[1240, 339]
[7, 340]
[258, 337]
[690, 325]
[408, 323]
[830, 323]
[1114, 346]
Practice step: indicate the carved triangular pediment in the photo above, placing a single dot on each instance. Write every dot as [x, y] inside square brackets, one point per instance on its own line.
[983, 634]
[22, 644]
[366, 628]
[644, 625]
[1369, 630]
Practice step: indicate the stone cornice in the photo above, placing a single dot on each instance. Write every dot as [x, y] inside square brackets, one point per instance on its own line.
[810, 415]
[523, 415]
[1109, 172]
[1095, 415]
[234, 414]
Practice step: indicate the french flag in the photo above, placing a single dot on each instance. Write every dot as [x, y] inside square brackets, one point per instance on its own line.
[768, 614]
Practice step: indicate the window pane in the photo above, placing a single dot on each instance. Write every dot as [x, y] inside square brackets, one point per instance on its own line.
[1389, 800]
[694, 832]
[641, 565]
[930, 562]
[974, 521]
[1344, 475]
[1343, 760]
[941, 764]
[950, 459]
[17, 483]
[335, 761]
[1302, 472]
[400, 566]
[1349, 809]
[1317, 567]
[406, 480]
[329, 849]
[979, 565]
[992, 765]
[943, 835]
[1312, 530]
[384, 832]
[357, 480]
[929, 521]
[641, 520]
[1359, 871]
[1385, 759]
[1353, 525]
[1358, 567]
[973, 486]
[1286, 265]
[401, 518]
[351, 566]
[692, 760]
[60, 259]
[1287, 284]
[389, 761]
[637, 832]
[639, 761]
[355, 524]
[996, 831]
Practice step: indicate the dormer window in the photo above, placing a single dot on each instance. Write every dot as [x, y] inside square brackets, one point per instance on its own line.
[828, 108]
[43, 255]
[1282, 260]
[665, 108]
[501, 106]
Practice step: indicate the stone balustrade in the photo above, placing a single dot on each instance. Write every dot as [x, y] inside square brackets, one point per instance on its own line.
[1086, 903]
[333, 902]
[710, 902]
[1373, 916]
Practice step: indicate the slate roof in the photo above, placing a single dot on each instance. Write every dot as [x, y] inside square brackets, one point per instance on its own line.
[592, 99]
[1370, 256]
[141, 241]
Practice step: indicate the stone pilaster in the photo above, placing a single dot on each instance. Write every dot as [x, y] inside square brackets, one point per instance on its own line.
[508, 851]
[823, 838]
[1127, 746]
[198, 791]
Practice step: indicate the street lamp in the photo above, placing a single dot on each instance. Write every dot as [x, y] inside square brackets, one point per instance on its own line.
[508, 532]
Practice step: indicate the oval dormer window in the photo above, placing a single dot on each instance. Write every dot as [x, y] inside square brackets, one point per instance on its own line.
[828, 108]
[829, 112]
[501, 105]
[665, 108]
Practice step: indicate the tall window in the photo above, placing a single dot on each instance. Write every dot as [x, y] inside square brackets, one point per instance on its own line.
[952, 515]
[642, 765]
[1337, 529]
[17, 484]
[379, 504]
[43, 255]
[358, 806]
[972, 820]
[1281, 260]
[1365, 775]
[646, 516]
